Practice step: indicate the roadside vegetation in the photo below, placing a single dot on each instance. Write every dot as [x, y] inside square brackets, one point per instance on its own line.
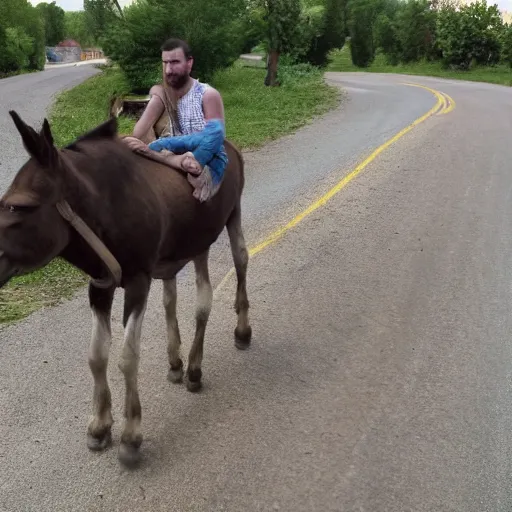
[420, 37]
[500, 74]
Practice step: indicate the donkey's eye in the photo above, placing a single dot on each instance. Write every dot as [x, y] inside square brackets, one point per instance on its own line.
[21, 208]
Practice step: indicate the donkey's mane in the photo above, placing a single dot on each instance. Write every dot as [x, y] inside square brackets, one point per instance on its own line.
[108, 129]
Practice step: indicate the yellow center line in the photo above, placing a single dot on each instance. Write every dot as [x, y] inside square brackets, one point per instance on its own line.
[443, 105]
[448, 101]
[451, 104]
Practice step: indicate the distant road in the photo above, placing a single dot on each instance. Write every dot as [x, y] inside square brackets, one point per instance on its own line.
[31, 95]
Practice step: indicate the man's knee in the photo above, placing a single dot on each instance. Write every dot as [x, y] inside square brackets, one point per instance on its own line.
[211, 141]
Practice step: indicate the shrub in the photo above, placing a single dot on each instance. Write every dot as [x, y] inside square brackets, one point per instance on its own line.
[17, 49]
[21, 36]
[507, 46]
[470, 34]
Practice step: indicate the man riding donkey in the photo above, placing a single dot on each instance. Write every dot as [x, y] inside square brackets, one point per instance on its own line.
[192, 138]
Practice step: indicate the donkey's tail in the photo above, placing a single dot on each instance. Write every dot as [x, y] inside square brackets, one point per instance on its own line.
[241, 161]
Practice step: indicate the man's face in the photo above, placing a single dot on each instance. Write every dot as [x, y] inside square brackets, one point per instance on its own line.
[176, 68]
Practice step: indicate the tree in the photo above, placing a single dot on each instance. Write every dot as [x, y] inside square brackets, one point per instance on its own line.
[99, 16]
[54, 22]
[363, 17]
[212, 29]
[330, 30]
[415, 29]
[18, 48]
[253, 25]
[283, 32]
[75, 27]
[33, 25]
[386, 38]
[335, 24]
[471, 33]
[507, 45]
[21, 24]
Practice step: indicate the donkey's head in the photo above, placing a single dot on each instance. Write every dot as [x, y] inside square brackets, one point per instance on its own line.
[32, 232]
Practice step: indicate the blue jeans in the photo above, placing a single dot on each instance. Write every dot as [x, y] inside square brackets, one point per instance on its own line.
[207, 147]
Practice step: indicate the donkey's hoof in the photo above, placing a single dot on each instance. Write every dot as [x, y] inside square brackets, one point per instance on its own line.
[243, 338]
[129, 453]
[98, 444]
[194, 380]
[175, 375]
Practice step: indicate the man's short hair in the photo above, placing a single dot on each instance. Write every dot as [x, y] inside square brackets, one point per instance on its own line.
[173, 44]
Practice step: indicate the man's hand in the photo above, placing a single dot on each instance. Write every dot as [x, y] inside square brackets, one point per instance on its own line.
[136, 145]
[185, 162]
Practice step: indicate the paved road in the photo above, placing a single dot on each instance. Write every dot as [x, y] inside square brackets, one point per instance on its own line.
[30, 95]
[379, 376]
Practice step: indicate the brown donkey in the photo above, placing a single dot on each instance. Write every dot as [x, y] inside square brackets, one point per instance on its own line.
[123, 220]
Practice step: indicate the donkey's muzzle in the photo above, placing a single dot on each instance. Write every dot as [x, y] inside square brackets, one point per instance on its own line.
[7, 270]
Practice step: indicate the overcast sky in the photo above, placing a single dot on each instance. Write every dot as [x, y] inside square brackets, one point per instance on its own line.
[78, 5]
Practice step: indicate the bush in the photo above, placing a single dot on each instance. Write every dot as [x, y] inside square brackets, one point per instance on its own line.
[386, 38]
[34, 27]
[75, 27]
[310, 44]
[212, 29]
[507, 46]
[363, 17]
[53, 18]
[470, 34]
[291, 73]
[333, 32]
[415, 29]
[254, 29]
[21, 37]
[17, 49]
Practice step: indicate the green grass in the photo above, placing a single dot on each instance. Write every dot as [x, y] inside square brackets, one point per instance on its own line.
[42, 288]
[255, 114]
[501, 75]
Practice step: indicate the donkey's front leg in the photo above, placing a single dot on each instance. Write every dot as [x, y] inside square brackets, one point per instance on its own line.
[203, 308]
[135, 303]
[99, 429]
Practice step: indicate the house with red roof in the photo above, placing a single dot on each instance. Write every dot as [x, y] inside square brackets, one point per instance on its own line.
[69, 51]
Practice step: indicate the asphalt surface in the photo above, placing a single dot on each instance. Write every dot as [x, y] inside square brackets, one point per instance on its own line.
[30, 95]
[379, 375]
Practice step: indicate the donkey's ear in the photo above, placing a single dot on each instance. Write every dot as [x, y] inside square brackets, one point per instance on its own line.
[37, 145]
[46, 132]
[29, 136]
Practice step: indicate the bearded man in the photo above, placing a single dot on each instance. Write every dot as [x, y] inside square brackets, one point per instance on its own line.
[193, 137]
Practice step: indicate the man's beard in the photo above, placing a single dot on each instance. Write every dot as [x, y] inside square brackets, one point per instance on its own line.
[177, 81]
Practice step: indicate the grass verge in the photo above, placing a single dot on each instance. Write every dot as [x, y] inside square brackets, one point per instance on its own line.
[255, 114]
[501, 75]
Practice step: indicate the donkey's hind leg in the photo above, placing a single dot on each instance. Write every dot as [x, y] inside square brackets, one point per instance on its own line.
[243, 331]
[203, 308]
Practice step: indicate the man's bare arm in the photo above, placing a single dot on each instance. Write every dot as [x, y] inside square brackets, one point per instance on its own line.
[150, 116]
[213, 106]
